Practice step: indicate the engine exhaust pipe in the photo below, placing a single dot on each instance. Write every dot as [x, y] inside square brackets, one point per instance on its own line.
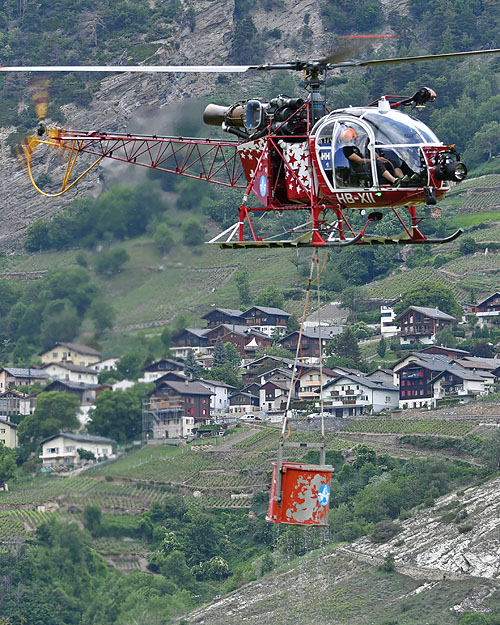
[216, 115]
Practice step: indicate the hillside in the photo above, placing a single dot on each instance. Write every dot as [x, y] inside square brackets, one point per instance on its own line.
[152, 289]
[313, 578]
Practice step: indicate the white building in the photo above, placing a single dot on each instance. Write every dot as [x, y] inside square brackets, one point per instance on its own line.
[388, 327]
[70, 372]
[107, 364]
[350, 395]
[62, 449]
[219, 400]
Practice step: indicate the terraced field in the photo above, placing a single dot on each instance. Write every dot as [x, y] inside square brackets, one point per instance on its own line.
[442, 427]
[216, 476]
[392, 286]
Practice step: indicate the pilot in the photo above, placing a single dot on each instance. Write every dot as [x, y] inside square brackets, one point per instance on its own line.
[361, 164]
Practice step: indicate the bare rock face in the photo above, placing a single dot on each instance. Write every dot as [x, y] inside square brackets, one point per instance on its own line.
[122, 99]
[460, 535]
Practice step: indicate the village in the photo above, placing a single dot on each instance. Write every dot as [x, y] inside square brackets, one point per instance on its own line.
[183, 406]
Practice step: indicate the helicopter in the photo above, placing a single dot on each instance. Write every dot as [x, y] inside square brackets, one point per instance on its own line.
[290, 154]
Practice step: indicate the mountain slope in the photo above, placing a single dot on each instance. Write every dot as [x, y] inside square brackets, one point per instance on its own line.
[344, 584]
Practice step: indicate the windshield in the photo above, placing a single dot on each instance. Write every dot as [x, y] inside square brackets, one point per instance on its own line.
[395, 128]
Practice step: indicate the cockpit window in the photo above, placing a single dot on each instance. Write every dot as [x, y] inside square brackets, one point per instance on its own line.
[396, 128]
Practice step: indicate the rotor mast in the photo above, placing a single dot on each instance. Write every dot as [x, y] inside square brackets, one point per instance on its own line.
[315, 79]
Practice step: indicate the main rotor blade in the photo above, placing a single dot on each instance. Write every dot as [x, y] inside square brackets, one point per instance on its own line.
[330, 62]
[411, 59]
[352, 46]
[152, 69]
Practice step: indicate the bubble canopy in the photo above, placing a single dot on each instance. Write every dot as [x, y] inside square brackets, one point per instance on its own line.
[389, 128]
[369, 147]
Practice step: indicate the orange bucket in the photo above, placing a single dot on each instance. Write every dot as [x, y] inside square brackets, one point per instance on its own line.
[305, 494]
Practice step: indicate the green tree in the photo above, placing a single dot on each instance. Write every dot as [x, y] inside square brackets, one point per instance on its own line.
[193, 233]
[446, 338]
[163, 238]
[343, 350]
[241, 277]
[102, 314]
[92, 517]
[8, 297]
[85, 454]
[233, 356]
[37, 238]
[54, 412]
[487, 139]
[226, 373]
[270, 296]
[60, 323]
[191, 367]
[130, 365]
[219, 353]
[117, 415]
[467, 245]
[166, 337]
[389, 565]
[382, 347]
[111, 261]
[431, 295]
[7, 463]
[352, 298]
[292, 325]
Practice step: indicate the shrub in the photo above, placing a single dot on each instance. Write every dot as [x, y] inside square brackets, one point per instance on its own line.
[389, 565]
[384, 531]
[466, 527]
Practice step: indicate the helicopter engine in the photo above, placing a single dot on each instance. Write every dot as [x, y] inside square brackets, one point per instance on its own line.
[255, 116]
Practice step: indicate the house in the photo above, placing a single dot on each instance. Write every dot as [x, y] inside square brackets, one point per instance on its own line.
[14, 402]
[245, 340]
[330, 315]
[388, 327]
[190, 339]
[71, 352]
[18, 376]
[71, 372]
[244, 402]
[107, 364]
[8, 432]
[425, 378]
[157, 369]
[267, 320]
[173, 376]
[62, 449]
[350, 395]
[278, 375]
[310, 342]
[264, 363]
[86, 393]
[311, 379]
[486, 310]
[257, 343]
[219, 400]
[174, 408]
[225, 316]
[451, 352]
[420, 325]
[381, 375]
[273, 396]
[253, 388]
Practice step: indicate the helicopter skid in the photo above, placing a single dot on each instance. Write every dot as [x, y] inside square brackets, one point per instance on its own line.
[307, 240]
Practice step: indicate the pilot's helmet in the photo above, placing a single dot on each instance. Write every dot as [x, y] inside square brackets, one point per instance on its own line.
[347, 134]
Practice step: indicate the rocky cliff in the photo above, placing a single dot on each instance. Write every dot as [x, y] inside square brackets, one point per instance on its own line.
[119, 103]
